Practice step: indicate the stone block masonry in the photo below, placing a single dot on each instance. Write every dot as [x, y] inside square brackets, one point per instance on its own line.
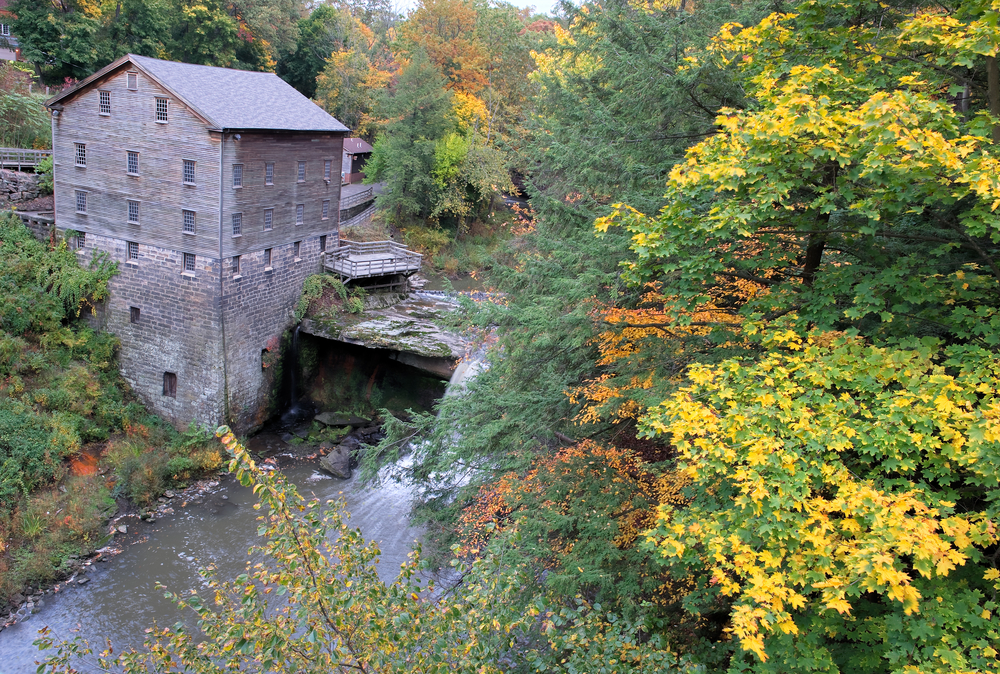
[259, 306]
[168, 323]
[204, 330]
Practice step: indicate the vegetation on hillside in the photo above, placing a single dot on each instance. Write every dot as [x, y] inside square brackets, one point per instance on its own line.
[66, 417]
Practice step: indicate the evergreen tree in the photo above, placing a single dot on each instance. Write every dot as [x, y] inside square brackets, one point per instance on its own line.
[419, 108]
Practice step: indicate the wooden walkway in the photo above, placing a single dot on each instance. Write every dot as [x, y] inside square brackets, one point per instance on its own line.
[13, 157]
[358, 260]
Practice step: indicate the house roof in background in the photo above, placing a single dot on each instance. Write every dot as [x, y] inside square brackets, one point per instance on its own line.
[227, 98]
[356, 146]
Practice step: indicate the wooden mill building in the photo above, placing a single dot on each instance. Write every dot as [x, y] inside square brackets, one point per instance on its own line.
[217, 191]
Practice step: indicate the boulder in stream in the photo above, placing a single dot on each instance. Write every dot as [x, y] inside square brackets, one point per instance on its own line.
[337, 462]
[334, 419]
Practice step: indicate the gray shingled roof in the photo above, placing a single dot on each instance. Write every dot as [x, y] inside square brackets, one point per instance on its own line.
[239, 99]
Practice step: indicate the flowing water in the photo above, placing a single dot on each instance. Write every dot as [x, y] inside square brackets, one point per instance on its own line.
[121, 600]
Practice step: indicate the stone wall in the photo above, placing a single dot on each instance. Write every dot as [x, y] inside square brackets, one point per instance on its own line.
[259, 307]
[16, 187]
[177, 329]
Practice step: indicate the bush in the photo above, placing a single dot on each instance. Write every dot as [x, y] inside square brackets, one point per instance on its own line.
[45, 179]
[426, 240]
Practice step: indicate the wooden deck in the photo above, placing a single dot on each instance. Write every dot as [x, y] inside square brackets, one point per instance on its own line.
[13, 157]
[370, 259]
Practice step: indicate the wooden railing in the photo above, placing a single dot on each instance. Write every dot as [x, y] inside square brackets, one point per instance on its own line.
[355, 199]
[372, 258]
[362, 218]
[13, 156]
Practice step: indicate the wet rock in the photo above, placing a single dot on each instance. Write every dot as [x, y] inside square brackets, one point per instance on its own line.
[82, 581]
[169, 493]
[337, 462]
[334, 419]
[302, 430]
[122, 529]
[17, 598]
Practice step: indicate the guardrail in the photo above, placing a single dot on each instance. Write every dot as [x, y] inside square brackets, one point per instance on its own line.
[13, 156]
[365, 259]
[362, 218]
[355, 199]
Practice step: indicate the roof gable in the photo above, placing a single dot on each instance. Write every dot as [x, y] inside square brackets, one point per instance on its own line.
[227, 98]
[356, 146]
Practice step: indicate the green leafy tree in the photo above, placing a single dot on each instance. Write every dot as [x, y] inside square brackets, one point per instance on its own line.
[204, 33]
[418, 110]
[327, 30]
[62, 36]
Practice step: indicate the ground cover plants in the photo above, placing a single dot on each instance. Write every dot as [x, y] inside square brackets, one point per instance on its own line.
[72, 439]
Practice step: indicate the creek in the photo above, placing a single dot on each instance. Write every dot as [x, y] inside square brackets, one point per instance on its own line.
[120, 599]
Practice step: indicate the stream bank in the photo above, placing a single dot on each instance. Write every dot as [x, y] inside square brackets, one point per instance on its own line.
[212, 523]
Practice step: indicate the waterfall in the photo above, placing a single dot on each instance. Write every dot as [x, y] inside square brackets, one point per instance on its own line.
[295, 411]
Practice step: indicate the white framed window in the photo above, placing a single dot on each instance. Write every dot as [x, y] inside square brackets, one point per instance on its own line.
[81, 201]
[133, 212]
[161, 110]
[326, 170]
[302, 172]
[132, 163]
[133, 256]
[326, 209]
[188, 175]
[300, 211]
[269, 173]
[105, 106]
[5, 29]
[268, 219]
[189, 261]
[81, 153]
[236, 265]
[132, 81]
[267, 259]
[297, 248]
[189, 222]
[237, 224]
[237, 175]
[81, 240]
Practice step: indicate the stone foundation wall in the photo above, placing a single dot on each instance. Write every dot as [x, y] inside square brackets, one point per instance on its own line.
[177, 329]
[260, 306]
[16, 187]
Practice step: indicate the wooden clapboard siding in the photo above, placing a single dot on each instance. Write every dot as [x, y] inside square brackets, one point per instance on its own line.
[159, 188]
[285, 150]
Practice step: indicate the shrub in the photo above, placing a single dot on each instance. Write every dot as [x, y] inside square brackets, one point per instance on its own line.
[45, 179]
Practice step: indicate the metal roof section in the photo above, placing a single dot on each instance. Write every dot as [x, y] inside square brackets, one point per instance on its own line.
[356, 146]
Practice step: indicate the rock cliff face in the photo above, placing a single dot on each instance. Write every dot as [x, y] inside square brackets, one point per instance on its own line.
[411, 329]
